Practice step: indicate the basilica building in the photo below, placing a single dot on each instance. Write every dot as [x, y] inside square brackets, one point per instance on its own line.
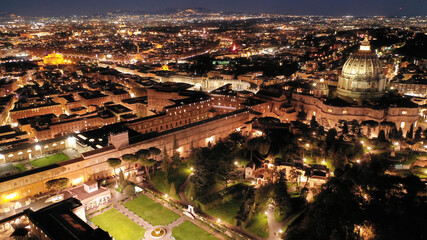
[361, 94]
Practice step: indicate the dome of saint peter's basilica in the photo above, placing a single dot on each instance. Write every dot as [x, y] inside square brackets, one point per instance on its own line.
[362, 77]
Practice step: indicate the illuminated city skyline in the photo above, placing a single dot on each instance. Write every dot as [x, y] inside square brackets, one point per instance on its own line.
[306, 7]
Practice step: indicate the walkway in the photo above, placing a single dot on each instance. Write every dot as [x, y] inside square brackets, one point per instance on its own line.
[212, 219]
[181, 191]
[141, 222]
[274, 226]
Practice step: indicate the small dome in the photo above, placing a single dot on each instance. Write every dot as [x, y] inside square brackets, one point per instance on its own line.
[362, 76]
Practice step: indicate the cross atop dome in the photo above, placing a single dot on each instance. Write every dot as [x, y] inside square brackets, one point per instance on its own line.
[365, 46]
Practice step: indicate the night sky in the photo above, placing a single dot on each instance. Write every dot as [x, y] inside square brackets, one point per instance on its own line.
[315, 7]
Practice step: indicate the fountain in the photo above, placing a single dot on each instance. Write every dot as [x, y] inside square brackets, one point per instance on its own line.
[158, 232]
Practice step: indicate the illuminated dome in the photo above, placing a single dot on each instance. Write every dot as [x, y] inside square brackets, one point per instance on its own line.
[362, 76]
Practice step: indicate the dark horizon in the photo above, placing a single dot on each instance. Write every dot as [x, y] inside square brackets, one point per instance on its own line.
[307, 7]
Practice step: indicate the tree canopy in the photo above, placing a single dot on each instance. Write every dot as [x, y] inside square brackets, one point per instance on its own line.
[364, 202]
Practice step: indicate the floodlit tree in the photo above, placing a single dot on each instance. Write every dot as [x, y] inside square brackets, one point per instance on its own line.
[143, 157]
[172, 190]
[129, 158]
[129, 190]
[57, 184]
[114, 163]
[154, 152]
[175, 158]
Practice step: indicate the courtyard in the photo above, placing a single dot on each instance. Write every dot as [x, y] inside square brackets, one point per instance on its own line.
[137, 218]
[118, 225]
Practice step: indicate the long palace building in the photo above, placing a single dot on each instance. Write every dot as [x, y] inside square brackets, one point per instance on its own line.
[190, 119]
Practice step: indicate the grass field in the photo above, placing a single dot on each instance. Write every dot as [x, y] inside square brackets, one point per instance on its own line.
[20, 167]
[151, 211]
[189, 231]
[44, 161]
[258, 225]
[227, 211]
[118, 225]
[178, 177]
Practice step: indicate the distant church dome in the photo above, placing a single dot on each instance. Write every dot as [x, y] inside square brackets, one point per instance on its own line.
[362, 76]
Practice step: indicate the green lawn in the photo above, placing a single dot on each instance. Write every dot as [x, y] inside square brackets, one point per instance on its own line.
[259, 225]
[188, 231]
[151, 211]
[20, 167]
[278, 217]
[118, 225]
[44, 161]
[177, 176]
[227, 211]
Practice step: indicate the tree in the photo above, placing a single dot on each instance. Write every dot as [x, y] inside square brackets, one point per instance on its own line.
[113, 163]
[237, 139]
[172, 190]
[57, 184]
[302, 116]
[154, 152]
[281, 197]
[129, 158]
[313, 123]
[345, 128]
[129, 190]
[399, 134]
[381, 136]
[166, 163]
[121, 178]
[410, 133]
[222, 152]
[340, 159]
[365, 200]
[263, 194]
[204, 171]
[330, 138]
[418, 134]
[143, 157]
[175, 158]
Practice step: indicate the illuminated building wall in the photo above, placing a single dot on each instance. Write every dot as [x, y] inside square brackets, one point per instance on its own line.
[92, 165]
[329, 116]
[54, 59]
[16, 114]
